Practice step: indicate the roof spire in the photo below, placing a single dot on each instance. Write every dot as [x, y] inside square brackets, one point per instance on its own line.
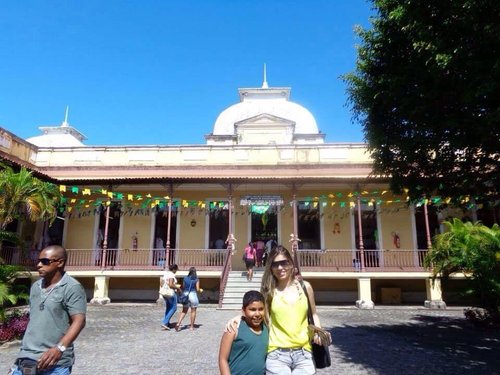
[65, 122]
[264, 84]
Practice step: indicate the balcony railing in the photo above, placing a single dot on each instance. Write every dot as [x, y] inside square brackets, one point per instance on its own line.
[329, 260]
[346, 260]
[124, 259]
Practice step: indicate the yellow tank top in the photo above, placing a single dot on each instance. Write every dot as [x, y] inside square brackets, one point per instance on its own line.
[288, 327]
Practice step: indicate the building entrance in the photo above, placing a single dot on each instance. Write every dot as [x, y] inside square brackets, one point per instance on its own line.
[264, 228]
[264, 223]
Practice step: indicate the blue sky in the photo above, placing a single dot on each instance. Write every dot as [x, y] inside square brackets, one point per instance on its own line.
[159, 72]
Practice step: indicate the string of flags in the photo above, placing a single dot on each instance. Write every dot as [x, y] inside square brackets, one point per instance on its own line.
[75, 197]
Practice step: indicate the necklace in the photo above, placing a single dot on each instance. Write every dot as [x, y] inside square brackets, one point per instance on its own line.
[44, 292]
[47, 294]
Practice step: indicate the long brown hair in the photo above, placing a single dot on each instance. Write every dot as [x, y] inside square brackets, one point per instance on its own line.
[268, 285]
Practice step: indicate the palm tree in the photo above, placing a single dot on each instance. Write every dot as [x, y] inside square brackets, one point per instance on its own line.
[470, 248]
[24, 195]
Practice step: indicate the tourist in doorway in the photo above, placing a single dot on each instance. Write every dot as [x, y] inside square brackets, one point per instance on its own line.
[259, 247]
[270, 244]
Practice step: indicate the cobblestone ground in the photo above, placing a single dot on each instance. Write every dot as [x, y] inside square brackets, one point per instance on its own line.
[126, 339]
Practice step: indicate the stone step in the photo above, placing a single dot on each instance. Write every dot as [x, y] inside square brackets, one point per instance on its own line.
[230, 307]
[241, 286]
[235, 295]
[237, 285]
[244, 280]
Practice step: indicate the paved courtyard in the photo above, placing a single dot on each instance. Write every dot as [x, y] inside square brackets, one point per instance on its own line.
[126, 339]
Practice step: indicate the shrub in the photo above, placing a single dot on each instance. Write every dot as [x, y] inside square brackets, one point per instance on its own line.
[10, 292]
[14, 326]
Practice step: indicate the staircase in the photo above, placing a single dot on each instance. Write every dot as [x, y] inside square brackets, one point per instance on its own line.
[237, 285]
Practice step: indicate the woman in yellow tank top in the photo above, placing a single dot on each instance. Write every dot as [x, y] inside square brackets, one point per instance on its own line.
[289, 350]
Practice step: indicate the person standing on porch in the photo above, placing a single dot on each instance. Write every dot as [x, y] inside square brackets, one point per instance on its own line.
[170, 302]
[260, 246]
[58, 307]
[270, 244]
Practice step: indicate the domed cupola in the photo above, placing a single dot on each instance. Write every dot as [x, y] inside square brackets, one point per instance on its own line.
[265, 116]
[58, 136]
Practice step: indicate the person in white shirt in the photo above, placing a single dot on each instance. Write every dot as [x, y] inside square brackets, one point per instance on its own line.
[170, 302]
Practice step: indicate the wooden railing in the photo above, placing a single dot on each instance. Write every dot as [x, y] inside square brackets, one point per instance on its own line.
[125, 259]
[346, 260]
[329, 260]
[224, 277]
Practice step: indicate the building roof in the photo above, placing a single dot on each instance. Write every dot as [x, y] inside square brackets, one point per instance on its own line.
[274, 101]
[58, 136]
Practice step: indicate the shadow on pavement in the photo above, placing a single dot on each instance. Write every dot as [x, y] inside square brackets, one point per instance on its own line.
[426, 345]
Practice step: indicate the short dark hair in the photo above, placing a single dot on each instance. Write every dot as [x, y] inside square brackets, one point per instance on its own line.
[58, 250]
[252, 296]
[173, 267]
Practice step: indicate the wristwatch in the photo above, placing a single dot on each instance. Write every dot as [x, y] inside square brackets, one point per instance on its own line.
[61, 347]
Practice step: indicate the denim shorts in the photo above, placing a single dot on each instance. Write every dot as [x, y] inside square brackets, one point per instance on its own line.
[296, 361]
[58, 370]
[193, 299]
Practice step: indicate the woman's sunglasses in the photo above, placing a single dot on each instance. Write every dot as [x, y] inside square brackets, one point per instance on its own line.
[282, 263]
[47, 261]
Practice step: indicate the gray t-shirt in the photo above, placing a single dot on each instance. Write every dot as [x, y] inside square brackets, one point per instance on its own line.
[50, 318]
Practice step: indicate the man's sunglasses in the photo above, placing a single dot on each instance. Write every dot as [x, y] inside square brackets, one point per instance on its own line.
[282, 263]
[47, 261]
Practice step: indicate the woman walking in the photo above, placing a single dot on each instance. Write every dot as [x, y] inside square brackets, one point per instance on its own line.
[190, 289]
[170, 302]
[250, 257]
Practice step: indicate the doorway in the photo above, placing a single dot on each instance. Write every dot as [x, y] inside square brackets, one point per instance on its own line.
[264, 223]
[160, 243]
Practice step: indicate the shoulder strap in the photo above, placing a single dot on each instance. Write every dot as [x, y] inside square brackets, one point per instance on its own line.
[190, 285]
[310, 318]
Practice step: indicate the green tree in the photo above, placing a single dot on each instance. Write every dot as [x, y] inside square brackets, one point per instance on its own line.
[22, 196]
[470, 248]
[25, 196]
[426, 90]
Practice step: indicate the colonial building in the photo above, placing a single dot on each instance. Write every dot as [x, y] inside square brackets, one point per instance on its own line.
[265, 173]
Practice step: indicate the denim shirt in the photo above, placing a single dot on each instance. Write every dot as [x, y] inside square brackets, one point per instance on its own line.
[188, 284]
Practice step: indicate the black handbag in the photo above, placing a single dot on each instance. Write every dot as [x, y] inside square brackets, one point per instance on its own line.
[320, 353]
[183, 299]
[321, 356]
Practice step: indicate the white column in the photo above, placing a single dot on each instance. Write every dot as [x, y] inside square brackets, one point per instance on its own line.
[364, 294]
[434, 294]
[101, 289]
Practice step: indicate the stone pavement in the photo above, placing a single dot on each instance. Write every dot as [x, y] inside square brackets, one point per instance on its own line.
[126, 339]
